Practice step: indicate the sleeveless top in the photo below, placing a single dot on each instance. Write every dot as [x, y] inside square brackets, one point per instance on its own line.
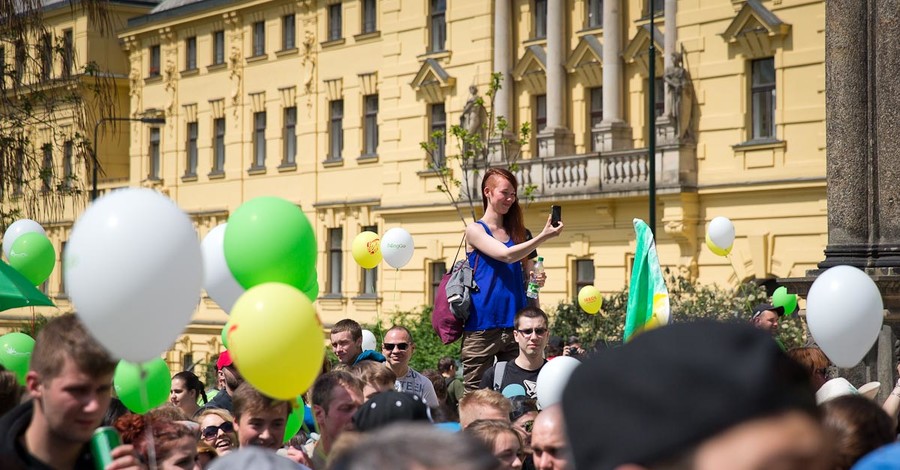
[501, 291]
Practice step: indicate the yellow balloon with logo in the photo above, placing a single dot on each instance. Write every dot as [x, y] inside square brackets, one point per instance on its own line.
[590, 300]
[367, 249]
[276, 340]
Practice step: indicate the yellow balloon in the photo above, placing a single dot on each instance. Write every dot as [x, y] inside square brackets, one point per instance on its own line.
[276, 340]
[590, 300]
[367, 249]
[716, 249]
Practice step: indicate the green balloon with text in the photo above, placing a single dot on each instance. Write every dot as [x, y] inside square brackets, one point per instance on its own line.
[15, 354]
[142, 387]
[33, 255]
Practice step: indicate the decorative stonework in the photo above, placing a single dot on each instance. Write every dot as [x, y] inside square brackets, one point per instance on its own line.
[190, 112]
[432, 82]
[334, 89]
[288, 96]
[637, 50]
[217, 108]
[258, 102]
[587, 60]
[531, 69]
[755, 30]
[368, 83]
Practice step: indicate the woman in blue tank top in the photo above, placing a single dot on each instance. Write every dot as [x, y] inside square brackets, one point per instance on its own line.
[496, 246]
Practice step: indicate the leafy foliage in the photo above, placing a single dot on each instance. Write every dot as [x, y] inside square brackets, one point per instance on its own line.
[429, 348]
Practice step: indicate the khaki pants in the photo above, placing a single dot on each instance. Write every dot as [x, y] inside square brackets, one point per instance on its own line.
[479, 348]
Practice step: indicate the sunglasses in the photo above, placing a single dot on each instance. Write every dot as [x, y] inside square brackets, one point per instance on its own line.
[537, 331]
[211, 432]
[391, 346]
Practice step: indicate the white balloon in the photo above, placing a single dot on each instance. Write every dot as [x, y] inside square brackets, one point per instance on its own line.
[553, 378]
[721, 232]
[16, 230]
[134, 271]
[397, 247]
[845, 312]
[218, 281]
[368, 343]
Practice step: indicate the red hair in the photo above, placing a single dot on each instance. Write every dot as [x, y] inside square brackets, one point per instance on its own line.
[513, 221]
[134, 430]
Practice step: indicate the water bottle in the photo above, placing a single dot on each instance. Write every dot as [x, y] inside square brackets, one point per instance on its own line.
[533, 286]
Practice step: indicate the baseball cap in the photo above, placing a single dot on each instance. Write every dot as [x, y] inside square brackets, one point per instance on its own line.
[224, 360]
[671, 388]
[759, 309]
[390, 407]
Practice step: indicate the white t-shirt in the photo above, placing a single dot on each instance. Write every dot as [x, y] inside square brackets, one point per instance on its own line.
[417, 384]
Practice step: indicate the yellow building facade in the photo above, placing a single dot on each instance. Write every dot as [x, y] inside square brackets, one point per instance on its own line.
[325, 103]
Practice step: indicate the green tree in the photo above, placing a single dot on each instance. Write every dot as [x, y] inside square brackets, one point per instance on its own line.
[428, 345]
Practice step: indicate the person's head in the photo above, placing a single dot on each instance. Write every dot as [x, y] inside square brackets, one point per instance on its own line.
[503, 440]
[437, 381]
[548, 441]
[70, 381]
[765, 317]
[386, 408]
[398, 347]
[531, 331]
[335, 398]
[483, 404]
[375, 376]
[186, 391]
[814, 362]
[217, 430]
[173, 443]
[346, 340]
[447, 366]
[228, 373]
[704, 395]
[856, 426]
[259, 420]
[10, 391]
[414, 447]
[499, 190]
[115, 410]
[205, 454]
[522, 413]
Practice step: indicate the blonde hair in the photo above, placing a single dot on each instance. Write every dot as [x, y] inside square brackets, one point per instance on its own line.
[375, 374]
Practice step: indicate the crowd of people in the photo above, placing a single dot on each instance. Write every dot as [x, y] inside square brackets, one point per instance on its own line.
[702, 396]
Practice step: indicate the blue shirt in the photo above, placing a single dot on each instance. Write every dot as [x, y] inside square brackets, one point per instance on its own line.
[501, 290]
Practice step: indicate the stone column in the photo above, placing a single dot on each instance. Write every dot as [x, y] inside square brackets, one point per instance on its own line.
[884, 174]
[503, 57]
[556, 139]
[670, 47]
[613, 133]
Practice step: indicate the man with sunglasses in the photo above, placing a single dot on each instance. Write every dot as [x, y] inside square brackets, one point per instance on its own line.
[398, 348]
[531, 334]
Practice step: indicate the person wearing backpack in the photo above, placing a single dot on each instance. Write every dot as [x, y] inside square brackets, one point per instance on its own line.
[531, 335]
[497, 242]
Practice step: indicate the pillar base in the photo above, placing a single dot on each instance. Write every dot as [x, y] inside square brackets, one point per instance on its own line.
[667, 131]
[555, 142]
[610, 136]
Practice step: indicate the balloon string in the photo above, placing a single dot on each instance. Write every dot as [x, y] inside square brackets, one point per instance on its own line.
[737, 277]
[396, 292]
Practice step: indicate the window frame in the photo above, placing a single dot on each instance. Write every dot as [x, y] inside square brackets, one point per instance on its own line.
[437, 25]
[289, 135]
[154, 151]
[218, 49]
[539, 18]
[370, 125]
[758, 116]
[335, 261]
[191, 149]
[335, 21]
[369, 16]
[68, 53]
[46, 57]
[155, 60]
[593, 14]
[335, 130]
[47, 168]
[259, 39]
[68, 157]
[288, 32]
[218, 145]
[577, 281]
[259, 140]
[190, 53]
[540, 113]
[439, 155]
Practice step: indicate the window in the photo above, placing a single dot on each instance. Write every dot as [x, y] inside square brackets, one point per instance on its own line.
[259, 139]
[540, 112]
[584, 273]
[154, 153]
[19, 182]
[659, 96]
[369, 24]
[369, 276]
[218, 47]
[187, 361]
[259, 38]
[595, 14]
[2, 63]
[288, 30]
[46, 56]
[336, 130]
[191, 150]
[218, 145]
[438, 25]
[439, 135]
[154, 61]
[540, 18]
[370, 124]
[595, 112]
[68, 154]
[335, 260]
[335, 22]
[68, 53]
[436, 271]
[62, 268]
[47, 168]
[658, 7]
[289, 136]
[190, 53]
[762, 96]
[20, 61]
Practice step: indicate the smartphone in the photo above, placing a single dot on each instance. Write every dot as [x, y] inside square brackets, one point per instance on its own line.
[555, 215]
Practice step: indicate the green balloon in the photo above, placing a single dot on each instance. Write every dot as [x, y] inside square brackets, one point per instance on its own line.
[32, 254]
[15, 353]
[295, 419]
[142, 387]
[269, 239]
[312, 288]
[225, 334]
[781, 298]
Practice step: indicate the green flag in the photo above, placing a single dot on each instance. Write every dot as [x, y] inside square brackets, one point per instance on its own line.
[648, 298]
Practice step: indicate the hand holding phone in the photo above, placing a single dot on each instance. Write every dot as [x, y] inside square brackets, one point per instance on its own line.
[555, 215]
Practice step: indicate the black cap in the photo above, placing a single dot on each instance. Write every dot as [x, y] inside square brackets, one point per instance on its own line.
[390, 407]
[759, 309]
[671, 388]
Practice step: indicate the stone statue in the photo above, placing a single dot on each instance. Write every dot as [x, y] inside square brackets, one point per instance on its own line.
[678, 99]
[472, 114]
